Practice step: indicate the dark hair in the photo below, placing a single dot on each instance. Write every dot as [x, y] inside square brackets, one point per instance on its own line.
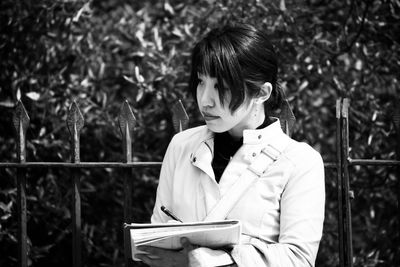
[239, 57]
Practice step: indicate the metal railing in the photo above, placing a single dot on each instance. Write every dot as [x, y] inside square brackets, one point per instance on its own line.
[127, 123]
[75, 123]
[344, 192]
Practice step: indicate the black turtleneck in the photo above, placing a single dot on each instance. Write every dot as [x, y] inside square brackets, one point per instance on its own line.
[225, 146]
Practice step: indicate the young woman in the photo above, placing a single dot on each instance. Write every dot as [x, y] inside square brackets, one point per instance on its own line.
[234, 81]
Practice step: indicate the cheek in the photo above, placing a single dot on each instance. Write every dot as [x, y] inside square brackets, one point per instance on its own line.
[198, 96]
[241, 113]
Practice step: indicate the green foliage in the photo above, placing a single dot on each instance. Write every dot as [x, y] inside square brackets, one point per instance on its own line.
[102, 52]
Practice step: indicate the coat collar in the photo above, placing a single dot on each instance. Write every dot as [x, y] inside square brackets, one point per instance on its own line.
[267, 134]
[203, 153]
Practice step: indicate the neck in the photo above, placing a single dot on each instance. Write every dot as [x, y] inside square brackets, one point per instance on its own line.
[254, 119]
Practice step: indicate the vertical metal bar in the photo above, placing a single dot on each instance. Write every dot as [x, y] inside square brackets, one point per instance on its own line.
[75, 124]
[127, 143]
[21, 122]
[396, 122]
[346, 184]
[287, 118]
[339, 180]
[127, 122]
[287, 128]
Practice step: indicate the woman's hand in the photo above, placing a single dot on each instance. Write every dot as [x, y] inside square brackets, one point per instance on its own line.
[158, 257]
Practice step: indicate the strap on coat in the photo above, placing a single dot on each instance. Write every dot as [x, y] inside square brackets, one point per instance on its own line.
[258, 167]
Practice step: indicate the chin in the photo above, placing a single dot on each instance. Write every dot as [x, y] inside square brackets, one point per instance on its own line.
[216, 128]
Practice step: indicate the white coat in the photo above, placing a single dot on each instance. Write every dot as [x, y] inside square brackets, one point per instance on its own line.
[282, 214]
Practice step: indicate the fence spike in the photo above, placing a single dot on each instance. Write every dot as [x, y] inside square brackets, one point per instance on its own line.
[345, 108]
[126, 118]
[338, 108]
[287, 118]
[180, 118]
[75, 123]
[127, 122]
[348, 232]
[74, 118]
[21, 122]
[20, 116]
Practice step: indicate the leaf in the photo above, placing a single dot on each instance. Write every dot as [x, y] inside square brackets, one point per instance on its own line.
[128, 79]
[358, 65]
[169, 8]
[303, 85]
[178, 33]
[157, 39]
[282, 5]
[7, 104]
[33, 95]
[138, 76]
[85, 82]
[18, 94]
[139, 94]
[6, 216]
[85, 10]
[6, 208]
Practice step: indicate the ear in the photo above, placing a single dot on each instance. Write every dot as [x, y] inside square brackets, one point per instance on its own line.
[265, 92]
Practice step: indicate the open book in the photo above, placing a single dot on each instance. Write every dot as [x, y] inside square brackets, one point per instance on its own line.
[167, 235]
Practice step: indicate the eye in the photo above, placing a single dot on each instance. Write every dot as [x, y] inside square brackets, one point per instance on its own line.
[200, 81]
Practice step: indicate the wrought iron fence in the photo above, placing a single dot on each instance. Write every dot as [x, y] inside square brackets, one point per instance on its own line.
[127, 123]
[344, 192]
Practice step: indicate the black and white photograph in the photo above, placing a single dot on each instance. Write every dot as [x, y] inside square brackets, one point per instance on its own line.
[200, 133]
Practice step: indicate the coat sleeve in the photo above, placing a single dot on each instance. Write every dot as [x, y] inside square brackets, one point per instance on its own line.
[199, 257]
[301, 222]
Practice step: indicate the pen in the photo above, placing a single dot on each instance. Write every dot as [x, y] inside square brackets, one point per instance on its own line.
[170, 214]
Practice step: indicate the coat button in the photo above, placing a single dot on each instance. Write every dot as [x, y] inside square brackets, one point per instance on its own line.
[259, 137]
[254, 154]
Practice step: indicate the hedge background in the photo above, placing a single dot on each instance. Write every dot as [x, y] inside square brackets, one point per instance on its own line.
[102, 52]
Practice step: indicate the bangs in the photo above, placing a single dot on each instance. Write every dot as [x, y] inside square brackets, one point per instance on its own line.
[218, 59]
[241, 59]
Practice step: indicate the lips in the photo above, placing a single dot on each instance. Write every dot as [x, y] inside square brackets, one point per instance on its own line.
[209, 117]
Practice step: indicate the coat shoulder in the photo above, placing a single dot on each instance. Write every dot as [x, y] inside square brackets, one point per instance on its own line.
[191, 136]
[300, 153]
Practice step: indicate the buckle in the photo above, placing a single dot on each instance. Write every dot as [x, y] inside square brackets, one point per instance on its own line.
[256, 172]
[271, 152]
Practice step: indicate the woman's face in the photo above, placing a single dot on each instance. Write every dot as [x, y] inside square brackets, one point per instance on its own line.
[219, 117]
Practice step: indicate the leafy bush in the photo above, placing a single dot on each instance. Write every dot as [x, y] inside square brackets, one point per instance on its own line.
[102, 52]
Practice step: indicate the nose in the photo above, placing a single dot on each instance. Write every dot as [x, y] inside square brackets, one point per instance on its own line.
[207, 96]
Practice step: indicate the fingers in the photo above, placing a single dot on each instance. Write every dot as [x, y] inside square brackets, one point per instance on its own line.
[187, 246]
[147, 255]
[151, 250]
[144, 258]
[149, 260]
[157, 257]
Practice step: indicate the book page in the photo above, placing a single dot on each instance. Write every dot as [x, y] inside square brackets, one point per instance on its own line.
[148, 232]
[167, 236]
[214, 237]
